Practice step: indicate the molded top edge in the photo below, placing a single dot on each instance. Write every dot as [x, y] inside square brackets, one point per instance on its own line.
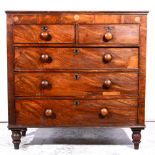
[88, 12]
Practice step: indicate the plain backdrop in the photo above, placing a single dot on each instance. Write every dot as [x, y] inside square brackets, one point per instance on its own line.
[78, 5]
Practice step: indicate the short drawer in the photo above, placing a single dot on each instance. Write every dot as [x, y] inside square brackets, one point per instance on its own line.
[43, 34]
[109, 34]
[70, 58]
[85, 85]
[76, 112]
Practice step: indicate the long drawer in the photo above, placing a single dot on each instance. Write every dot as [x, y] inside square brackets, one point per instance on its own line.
[43, 34]
[85, 85]
[72, 58]
[76, 113]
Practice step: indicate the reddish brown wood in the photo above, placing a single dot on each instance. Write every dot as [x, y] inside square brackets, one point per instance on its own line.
[47, 17]
[10, 73]
[107, 57]
[108, 36]
[142, 71]
[45, 36]
[104, 112]
[121, 34]
[108, 19]
[31, 34]
[107, 83]
[136, 137]
[88, 85]
[67, 58]
[48, 112]
[16, 137]
[76, 69]
[65, 113]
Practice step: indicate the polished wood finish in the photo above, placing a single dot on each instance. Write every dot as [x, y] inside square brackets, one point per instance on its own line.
[104, 112]
[48, 112]
[107, 83]
[76, 69]
[107, 57]
[28, 58]
[45, 58]
[108, 36]
[55, 34]
[66, 113]
[136, 136]
[120, 34]
[44, 84]
[16, 137]
[86, 85]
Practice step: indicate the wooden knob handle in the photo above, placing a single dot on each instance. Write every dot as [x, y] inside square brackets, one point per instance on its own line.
[107, 83]
[45, 35]
[108, 36]
[45, 58]
[45, 84]
[48, 112]
[107, 58]
[104, 112]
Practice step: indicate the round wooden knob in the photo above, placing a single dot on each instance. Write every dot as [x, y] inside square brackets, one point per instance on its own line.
[107, 83]
[45, 35]
[45, 84]
[107, 58]
[48, 112]
[104, 112]
[45, 58]
[108, 36]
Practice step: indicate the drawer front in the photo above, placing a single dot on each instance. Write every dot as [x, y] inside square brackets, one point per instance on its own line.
[70, 58]
[78, 17]
[109, 34]
[69, 113]
[43, 34]
[85, 85]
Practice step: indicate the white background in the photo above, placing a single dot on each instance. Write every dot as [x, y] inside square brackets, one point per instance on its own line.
[89, 5]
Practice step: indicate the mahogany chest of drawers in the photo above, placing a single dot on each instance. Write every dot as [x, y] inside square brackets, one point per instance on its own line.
[76, 69]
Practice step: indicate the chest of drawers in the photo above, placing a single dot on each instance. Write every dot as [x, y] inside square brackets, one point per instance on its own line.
[76, 69]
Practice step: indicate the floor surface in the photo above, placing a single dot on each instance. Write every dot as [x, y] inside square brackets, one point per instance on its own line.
[78, 141]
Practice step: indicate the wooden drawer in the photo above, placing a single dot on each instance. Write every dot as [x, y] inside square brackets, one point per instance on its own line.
[76, 69]
[121, 34]
[76, 17]
[69, 113]
[43, 34]
[70, 58]
[84, 85]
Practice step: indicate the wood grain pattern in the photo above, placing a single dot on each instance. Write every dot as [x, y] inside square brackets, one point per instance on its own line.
[63, 84]
[108, 19]
[72, 74]
[122, 34]
[24, 19]
[87, 113]
[31, 34]
[84, 18]
[10, 73]
[57, 17]
[67, 58]
[142, 72]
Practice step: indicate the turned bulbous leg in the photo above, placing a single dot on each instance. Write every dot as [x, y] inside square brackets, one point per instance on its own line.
[136, 137]
[23, 132]
[16, 138]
